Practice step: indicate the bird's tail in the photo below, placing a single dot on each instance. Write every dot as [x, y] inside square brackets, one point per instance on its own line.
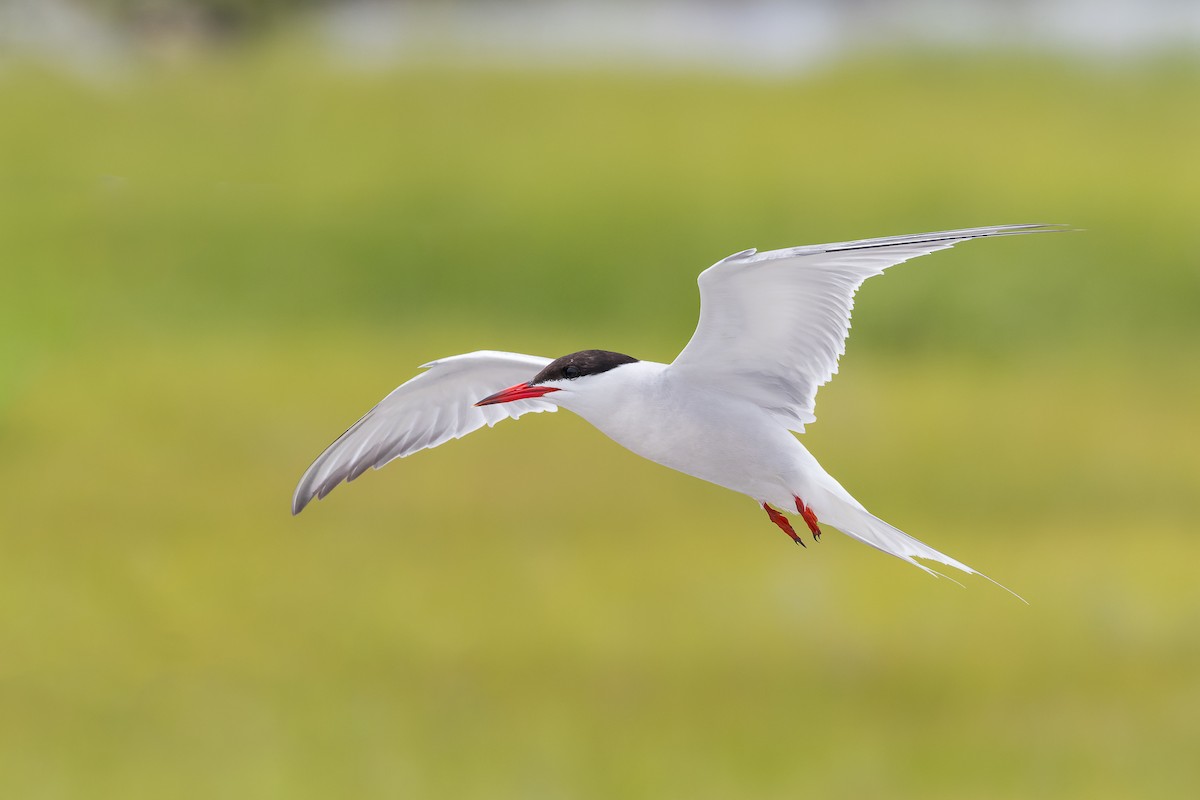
[858, 523]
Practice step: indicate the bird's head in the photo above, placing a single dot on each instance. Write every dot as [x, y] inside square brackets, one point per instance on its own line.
[568, 374]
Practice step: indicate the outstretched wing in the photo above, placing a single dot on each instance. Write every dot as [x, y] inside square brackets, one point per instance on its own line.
[772, 325]
[432, 408]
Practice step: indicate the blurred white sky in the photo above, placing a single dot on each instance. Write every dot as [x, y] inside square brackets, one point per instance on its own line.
[770, 36]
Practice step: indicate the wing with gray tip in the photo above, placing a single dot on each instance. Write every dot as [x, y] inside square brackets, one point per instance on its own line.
[434, 407]
[773, 325]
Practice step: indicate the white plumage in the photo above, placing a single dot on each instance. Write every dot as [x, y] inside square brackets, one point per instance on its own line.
[432, 408]
[772, 327]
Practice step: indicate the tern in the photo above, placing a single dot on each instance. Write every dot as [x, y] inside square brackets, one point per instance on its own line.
[772, 327]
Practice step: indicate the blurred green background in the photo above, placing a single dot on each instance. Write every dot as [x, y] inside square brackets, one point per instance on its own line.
[213, 262]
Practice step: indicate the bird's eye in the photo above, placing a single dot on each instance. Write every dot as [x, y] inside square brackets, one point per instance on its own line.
[571, 371]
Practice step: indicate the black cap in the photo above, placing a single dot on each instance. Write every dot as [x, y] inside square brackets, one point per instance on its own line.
[585, 362]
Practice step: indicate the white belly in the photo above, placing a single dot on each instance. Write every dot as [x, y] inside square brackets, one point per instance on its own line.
[712, 436]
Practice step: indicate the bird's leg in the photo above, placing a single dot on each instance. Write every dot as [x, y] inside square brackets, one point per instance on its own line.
[810, 517]
[784, 525]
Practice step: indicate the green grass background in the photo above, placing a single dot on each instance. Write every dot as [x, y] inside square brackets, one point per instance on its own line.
[211, 268]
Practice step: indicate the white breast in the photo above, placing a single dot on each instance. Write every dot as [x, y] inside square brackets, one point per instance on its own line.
[715, 436]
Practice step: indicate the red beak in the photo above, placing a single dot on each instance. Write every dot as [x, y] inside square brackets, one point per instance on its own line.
[522, 391]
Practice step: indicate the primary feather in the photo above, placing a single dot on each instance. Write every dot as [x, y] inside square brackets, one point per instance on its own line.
[774, 324]
[432, 408]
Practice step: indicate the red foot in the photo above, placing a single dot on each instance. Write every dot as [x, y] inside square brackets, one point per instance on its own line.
[784, 525]
[810, 517]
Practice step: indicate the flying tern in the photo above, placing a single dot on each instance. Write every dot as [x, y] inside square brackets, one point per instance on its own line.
[772, 327]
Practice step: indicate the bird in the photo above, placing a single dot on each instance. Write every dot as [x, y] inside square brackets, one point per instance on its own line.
[727, 410]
